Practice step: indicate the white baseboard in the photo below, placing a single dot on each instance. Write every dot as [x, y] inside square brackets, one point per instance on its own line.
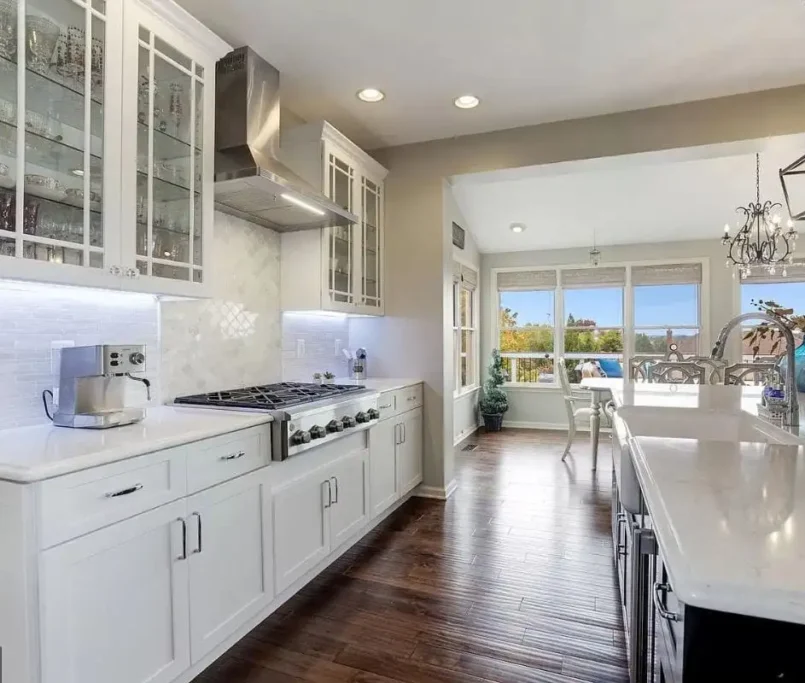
[466, 433]
[436, 492]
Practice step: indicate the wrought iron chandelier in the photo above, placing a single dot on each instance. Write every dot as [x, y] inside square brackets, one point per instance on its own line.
[760, 243]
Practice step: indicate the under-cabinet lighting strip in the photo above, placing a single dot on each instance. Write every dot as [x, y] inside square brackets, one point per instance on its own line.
[302, 203]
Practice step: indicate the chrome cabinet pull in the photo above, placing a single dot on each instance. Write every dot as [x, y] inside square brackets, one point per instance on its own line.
[198, 533]
[385, 407]
[329, 494]
[402, 426]
[125, 492]
[233, 456]
[183, 556]
[335, 479]
[659, 590]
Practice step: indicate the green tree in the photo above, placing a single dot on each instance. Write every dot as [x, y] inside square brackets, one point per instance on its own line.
[494, 400]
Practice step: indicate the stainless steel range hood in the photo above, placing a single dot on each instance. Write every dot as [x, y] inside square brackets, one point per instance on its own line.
[250, 180]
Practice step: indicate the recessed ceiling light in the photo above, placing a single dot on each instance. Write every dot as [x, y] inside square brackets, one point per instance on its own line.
[371, 95]
[517, 227]
[467, 102]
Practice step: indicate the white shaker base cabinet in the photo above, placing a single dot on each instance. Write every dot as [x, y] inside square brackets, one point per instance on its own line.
[383, 465]
[301, 526]
[230, 559]
[395, 454]
[409, 452]
[348, 512]
[155, 584]
[317, 512]
[114, 603]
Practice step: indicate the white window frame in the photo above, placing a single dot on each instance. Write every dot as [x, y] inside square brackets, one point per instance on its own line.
[628, 308]
[699, 303]
[473, 365]
[748, 325]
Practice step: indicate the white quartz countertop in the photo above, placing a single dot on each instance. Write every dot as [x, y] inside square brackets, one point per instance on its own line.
[31, 454]
[728, 509]
[381, 384]
[730, 521]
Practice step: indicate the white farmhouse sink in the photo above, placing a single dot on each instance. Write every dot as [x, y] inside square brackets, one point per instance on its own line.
[688, 423]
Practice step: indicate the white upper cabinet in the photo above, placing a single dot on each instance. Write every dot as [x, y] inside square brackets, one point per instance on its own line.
[348, 259]
[93, 190]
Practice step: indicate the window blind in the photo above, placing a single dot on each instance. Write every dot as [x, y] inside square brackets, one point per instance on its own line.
[671, 274]
[593, 277]
[469, 277]
[526, 280]
[795, 272]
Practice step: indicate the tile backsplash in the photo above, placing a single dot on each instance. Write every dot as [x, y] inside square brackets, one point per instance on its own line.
[35, 318]
[312, 342]
[237, 338]
[233, 339]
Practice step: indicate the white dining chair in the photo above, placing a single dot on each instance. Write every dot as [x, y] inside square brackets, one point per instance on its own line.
[571, 399]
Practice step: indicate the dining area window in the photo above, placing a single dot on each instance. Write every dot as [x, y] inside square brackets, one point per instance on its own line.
[594, 317]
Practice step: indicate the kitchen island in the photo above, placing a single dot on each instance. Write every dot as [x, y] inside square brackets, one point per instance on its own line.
[709, 533]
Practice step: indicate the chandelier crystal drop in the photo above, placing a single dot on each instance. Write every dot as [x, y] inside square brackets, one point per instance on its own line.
[761, 243]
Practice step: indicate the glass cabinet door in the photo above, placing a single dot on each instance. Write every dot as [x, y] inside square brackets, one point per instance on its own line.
[370, 245]
[341, 247]
[52, 81]
[169, 220]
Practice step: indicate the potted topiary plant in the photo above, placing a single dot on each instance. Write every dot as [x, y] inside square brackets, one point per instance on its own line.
[494, 402]
[329, 377]
[317, 377]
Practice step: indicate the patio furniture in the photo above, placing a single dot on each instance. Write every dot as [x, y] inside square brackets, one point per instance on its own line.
[677, 372]
[571, 399]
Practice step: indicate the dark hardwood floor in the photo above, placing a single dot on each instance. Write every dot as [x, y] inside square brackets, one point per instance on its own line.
[510, 580]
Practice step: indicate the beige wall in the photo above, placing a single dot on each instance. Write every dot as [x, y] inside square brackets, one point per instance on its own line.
[412, 339]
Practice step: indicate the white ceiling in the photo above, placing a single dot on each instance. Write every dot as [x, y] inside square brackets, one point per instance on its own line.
[529, 61]
[655, 197]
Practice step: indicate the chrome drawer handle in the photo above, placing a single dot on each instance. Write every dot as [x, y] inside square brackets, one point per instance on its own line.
[233, 456]
[385, 407]
[665, 613]
[125, 492]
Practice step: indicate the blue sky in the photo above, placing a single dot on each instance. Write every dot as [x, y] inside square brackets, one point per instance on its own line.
[788, 295]
[663, 305]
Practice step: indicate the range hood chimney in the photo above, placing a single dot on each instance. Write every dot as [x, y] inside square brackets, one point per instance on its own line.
[250, 180]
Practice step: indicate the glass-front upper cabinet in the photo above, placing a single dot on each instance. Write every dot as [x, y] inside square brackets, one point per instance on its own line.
[57, 190]
[172, 212]
[371, 247]
[354, 253]
[340, 187]
[105, 148]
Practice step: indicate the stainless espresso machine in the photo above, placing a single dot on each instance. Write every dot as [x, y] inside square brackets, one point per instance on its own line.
[92, 386]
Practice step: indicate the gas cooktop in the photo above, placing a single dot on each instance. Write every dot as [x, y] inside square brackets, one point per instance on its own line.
[270, 396]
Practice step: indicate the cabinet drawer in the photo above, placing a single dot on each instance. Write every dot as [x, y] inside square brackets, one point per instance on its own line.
[225, 457]
[76, 504]
[400, 401]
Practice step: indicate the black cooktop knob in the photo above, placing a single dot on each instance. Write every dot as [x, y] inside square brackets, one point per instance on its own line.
[317, 432]
[335, 426]
[300, 437]
[373, 414]
[348, 421]
[361, 418]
